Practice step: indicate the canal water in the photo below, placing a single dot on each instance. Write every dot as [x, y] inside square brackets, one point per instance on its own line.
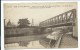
[32, 44]
[36, 41]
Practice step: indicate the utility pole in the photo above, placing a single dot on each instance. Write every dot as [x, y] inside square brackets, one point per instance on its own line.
[32, 23]
[4, 23]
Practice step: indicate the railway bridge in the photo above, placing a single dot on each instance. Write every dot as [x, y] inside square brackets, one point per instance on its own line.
[65, 19]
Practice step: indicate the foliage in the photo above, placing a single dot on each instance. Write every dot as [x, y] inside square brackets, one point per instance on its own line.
[23, 22]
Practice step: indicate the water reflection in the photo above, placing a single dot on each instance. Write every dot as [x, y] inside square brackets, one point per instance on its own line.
[23, 44]
[37, 42]
[44, 42]
[32, 44]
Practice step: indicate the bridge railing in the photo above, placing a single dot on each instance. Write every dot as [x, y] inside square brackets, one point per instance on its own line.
[66, 17]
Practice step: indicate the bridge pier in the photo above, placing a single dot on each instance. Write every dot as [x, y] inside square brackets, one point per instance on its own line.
[75, 25]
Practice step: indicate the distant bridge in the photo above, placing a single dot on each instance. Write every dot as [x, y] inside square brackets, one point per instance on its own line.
[64, 19]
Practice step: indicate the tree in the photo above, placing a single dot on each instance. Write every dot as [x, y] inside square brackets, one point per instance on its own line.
[23, 22]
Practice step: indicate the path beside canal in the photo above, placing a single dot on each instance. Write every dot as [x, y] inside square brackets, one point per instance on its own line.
[68, 42]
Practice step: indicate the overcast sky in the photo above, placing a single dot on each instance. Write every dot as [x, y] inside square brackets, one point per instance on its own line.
[36, 11]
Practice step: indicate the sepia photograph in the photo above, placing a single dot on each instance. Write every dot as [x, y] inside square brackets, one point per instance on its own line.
[40, 25]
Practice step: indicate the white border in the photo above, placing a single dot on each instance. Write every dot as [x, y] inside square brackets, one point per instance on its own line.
[79, 24]
[2, 27]
[38, 0]
[2, 22]
[32, 1]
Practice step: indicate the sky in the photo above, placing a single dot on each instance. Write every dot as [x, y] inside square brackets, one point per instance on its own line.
[36, 11]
